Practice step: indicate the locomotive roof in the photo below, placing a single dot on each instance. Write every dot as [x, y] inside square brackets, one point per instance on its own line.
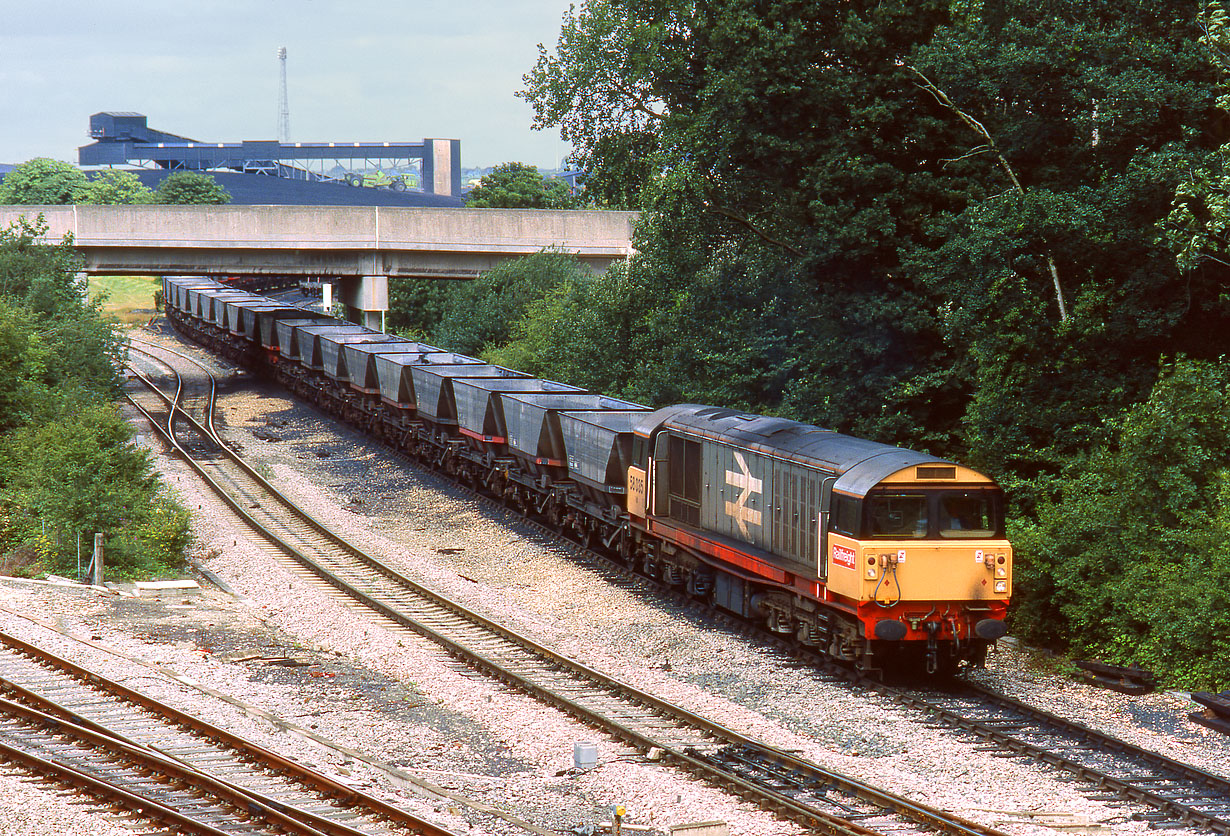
[858, 464]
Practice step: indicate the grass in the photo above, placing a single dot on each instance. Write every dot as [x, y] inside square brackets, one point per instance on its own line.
[130, 299]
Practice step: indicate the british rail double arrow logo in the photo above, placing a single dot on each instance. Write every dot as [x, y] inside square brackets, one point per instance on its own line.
[747, 485]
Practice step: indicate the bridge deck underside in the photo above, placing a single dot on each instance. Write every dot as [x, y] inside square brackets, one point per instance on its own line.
[305, 262]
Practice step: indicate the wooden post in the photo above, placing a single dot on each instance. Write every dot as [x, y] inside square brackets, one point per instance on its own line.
[97, 575]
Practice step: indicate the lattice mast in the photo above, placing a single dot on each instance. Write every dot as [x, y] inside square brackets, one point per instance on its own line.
[283, 101]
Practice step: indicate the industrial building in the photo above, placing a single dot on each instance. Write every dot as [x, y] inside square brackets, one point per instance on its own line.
[375, 171]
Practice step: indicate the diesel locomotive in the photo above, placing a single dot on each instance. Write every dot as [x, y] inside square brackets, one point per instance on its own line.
[883, 557]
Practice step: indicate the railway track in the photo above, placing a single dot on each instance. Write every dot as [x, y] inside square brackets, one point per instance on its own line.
[778, 781]
[1160, 790]
[1114, 770]
[75, 726]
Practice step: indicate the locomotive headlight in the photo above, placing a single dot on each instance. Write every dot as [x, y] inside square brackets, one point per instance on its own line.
[1001, 571]
[1001, 586]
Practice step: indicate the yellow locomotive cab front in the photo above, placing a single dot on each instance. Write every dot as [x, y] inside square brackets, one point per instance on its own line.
[939, 540]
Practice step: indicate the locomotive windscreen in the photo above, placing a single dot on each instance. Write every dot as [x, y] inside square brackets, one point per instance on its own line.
[920, 514]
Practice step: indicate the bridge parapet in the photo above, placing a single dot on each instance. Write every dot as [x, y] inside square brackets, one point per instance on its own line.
[326, 241]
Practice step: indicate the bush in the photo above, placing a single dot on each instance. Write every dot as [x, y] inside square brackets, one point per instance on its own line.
[68, 467]
[481, 314]
[1132, 562]
[190, 188]
[162, 537]
[416, 306]
[579, 332]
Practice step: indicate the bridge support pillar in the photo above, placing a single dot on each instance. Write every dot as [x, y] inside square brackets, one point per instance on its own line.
[368, 319]
[366, 299]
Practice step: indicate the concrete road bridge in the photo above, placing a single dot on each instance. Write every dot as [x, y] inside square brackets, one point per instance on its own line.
[357, 248]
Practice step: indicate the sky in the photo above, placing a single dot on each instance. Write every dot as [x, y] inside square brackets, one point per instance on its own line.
[358, 71]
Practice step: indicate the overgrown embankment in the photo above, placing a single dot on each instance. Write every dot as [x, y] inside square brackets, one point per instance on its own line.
[68, 466]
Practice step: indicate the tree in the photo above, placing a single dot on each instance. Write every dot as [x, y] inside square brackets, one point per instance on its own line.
[604, 89]
[818, 155]
[42, 181]
[519, 186]
[67, 465]
[1097, 142]
[779, 193]
[481, 314]
[866, 214]
[57, 345]
[628, 164]
[23, 363]
[28, 264]
[1198, 227]
[116, 186]
[190, 187]
[1131, 561]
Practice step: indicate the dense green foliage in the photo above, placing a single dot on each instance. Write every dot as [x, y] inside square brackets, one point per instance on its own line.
[1199, 224]
[947, 225]
[519, 186]
[416, 306]
[42, 182]
[481, 314]
[190, 188]
[1132, 559]
[116, 186]
[68, 467]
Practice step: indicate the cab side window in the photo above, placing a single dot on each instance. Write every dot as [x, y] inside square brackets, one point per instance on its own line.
[845, 517]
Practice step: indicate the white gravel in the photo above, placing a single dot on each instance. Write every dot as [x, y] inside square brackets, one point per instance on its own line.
[384, 692]
[29, 807]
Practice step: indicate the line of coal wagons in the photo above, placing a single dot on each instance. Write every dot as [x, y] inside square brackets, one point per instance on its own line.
[875, 554]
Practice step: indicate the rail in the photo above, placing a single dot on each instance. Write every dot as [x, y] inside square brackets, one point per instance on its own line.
[691, 741]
